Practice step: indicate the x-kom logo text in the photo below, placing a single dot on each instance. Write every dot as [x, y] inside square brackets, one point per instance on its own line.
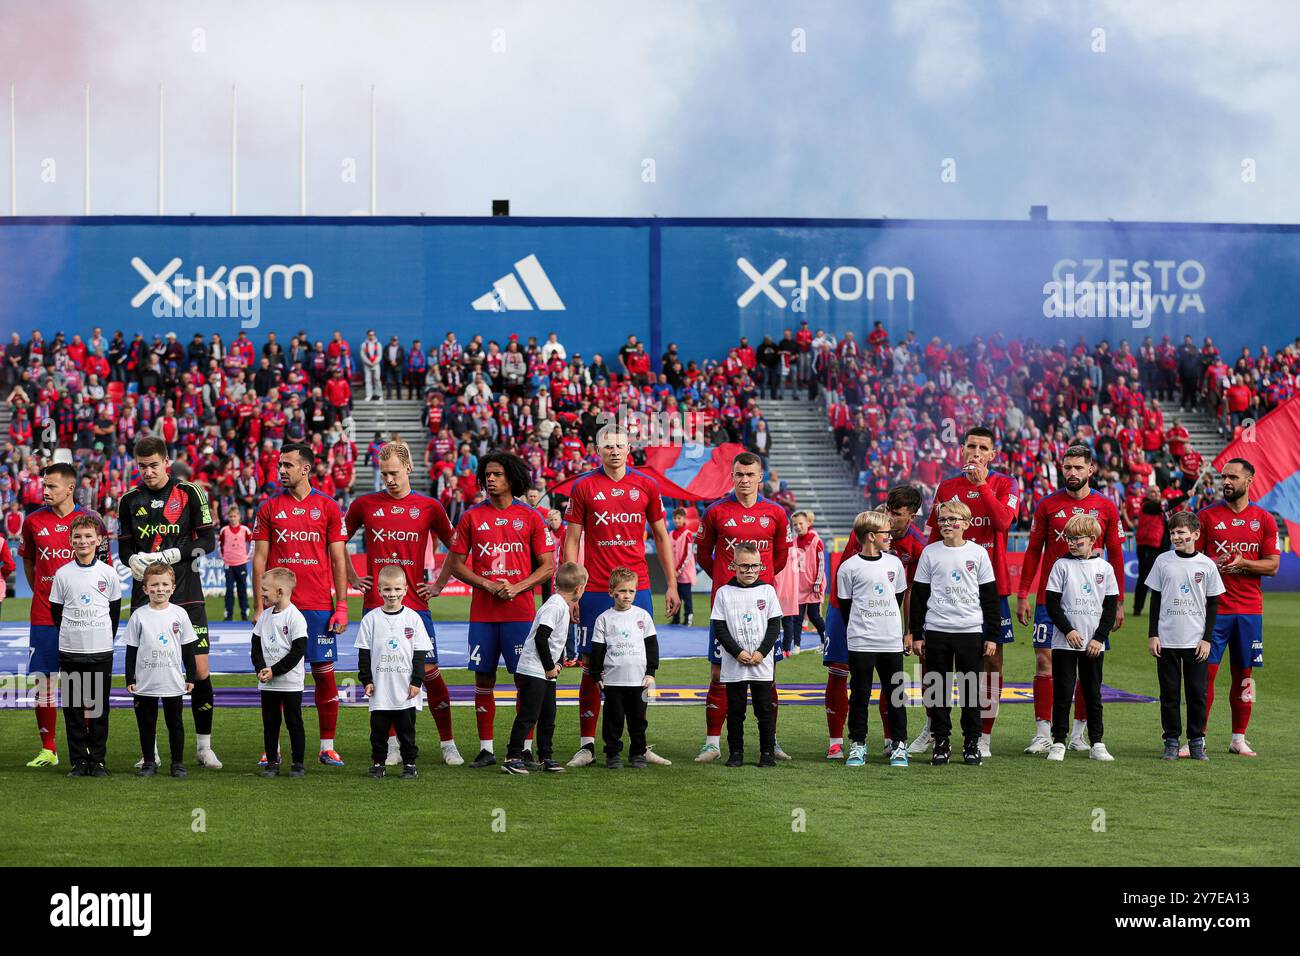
[242, 282]
[845, 283]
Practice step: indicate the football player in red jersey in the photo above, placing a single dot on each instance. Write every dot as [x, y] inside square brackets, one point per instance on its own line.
[608, 514]
[302, 530]
[1241, 538]
[502, 549]
[743, 515]
[398, 523]
[47, 546]
[994, 500]
[1047, 543]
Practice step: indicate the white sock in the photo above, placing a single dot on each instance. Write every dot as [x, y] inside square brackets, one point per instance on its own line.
[204, 741]
[486, 745]
[715, 741]
[984, 738]
[327, 743]
[1238, 738]
[1079, 727]
[586, 741]
[448, 745]
[837, 740]
[1044, 728]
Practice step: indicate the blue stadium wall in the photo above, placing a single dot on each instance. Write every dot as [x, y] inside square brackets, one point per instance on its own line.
[664, 280]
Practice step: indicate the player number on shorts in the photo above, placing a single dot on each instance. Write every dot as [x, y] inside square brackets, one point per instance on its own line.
[474, 656]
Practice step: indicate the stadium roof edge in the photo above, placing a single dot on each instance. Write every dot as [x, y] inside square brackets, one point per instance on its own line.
[643, 222]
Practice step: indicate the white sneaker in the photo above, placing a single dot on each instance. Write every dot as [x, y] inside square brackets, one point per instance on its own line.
[582, 758]
[1079, 742]
[450, 755]
[1056, 752]
[708, 753]
[921, 744]
[985, 752]
[394, 753]
[208, 759]
[157, 760]
[778, 753]
[1099, 752]
[1241, 747]
[653, 758]
[1039, 745]
[1185, 752]
[794, 651]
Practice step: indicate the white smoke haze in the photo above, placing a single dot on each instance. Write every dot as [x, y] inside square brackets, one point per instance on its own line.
[556, 106]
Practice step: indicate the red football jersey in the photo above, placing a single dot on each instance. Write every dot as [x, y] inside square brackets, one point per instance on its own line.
[1047, 537]
[993, 506]
[500, 544]
[727, 522]
[614, 516]
[1253, 535]
[397, 533]
[46, 538]
[299, 534]
[907, 549]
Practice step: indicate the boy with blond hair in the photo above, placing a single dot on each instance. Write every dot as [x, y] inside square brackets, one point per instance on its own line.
[1082, 598]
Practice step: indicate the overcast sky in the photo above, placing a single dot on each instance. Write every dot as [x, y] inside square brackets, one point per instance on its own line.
[559, 106]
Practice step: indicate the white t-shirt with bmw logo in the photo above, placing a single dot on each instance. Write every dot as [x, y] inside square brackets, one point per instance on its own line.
[1083, 584]
[1183, 583]
[746, 611]
[85, 593]
[159, 663]
[873, 585]
[624, 634]
[392, 640]
[277, 631]
[954, 576]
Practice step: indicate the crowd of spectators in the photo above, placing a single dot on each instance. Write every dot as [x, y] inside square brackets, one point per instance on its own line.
[896, 411]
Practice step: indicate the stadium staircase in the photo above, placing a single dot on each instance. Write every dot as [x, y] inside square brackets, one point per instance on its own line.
[391, 417]
[803, 454]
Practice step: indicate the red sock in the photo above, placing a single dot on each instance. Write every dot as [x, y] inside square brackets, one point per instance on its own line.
[392, 730]
[327, 699]
[1209, 692]
[715, 709]
[439, 702]
[1080, 708]
[837, 702]
[588, 705]
[47, 720]
[1240, 698]
[1042, 697]
[884, 712]
[992, 685]
[485, 711]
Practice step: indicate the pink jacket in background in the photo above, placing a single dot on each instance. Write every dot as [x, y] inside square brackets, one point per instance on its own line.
[787, 584]
[684, 555]
[812, 567]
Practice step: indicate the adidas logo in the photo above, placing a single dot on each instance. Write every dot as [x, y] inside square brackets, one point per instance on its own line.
[507, 295]
[1218, 527]
[731, 523]
[43, 533]
[281, 515]
[483, 526]
[600, 496]
[379, 513]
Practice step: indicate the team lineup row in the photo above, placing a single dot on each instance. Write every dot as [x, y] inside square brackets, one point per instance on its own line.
[503, 550]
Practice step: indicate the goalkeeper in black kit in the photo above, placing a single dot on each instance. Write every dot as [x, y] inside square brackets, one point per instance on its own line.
[168, 519]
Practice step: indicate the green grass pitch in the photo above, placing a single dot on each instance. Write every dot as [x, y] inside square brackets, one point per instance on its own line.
[1016, 809]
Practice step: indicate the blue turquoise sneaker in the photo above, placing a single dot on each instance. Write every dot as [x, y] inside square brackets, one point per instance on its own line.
[857, 754]
[899, 757]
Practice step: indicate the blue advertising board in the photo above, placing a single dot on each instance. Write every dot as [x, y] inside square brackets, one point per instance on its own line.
[697, 282]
